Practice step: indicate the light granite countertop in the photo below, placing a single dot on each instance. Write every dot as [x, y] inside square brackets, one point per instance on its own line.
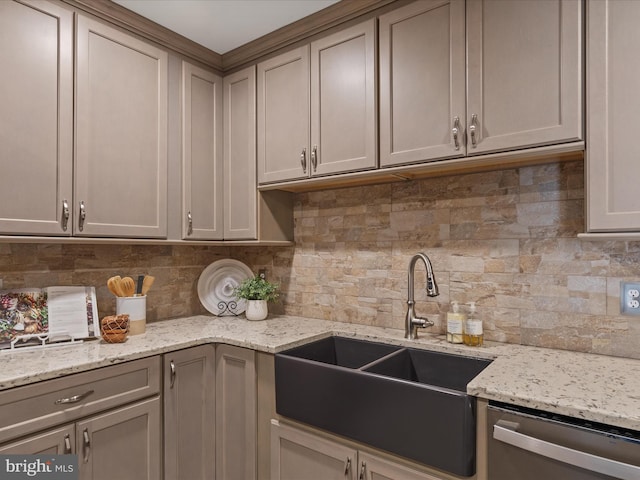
[593, 387]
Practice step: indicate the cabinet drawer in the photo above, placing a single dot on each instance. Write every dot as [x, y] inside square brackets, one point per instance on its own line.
[41, 405]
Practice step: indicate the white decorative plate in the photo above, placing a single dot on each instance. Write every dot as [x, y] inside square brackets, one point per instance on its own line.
[216, 285]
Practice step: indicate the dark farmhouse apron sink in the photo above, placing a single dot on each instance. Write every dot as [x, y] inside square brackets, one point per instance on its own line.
[406, 401]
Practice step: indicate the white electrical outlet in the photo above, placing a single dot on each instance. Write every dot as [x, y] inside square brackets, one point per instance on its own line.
[630, 298]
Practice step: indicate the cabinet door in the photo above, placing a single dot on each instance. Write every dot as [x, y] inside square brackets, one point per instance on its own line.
[60, 441]
[123, 443]
[36, 118]
[524, 80]
[373, 467]
[343, 101]
[296, 454]
[422, 82]
[201, 154]
[236, 412]
[613, 103]
[189, 414]
[283, 117]
[121, 134]
[240, 186]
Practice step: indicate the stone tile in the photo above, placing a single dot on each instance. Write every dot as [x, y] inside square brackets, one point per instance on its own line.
[505, 239]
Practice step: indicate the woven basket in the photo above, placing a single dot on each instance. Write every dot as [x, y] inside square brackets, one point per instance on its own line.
[115, 328]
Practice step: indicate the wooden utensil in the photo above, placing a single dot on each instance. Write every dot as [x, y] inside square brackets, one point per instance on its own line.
[128, 286]
[113, 287]
[146, 283]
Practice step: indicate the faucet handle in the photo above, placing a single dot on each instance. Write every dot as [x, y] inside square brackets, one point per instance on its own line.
[422, 322]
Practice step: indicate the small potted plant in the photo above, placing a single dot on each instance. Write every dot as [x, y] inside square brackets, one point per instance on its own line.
[257, 291]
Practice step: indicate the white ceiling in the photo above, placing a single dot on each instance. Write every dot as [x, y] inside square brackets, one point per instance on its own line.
[222, 25]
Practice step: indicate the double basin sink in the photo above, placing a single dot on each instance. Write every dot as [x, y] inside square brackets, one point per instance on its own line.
[406, 401]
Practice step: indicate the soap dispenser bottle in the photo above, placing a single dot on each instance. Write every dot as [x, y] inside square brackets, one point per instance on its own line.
[455, 324]
[473, 333]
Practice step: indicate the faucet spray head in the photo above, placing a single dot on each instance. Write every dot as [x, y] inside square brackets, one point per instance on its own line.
[432, 286]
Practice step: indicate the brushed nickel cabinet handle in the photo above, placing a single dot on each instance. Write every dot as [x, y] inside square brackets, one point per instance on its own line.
[455, 131]
[189, 223]
[473, 127]
[363, 471]
[314, 157]
[172, 368]
[65, 214]
[86, 445]
[303, 160]
[83, 216]
[74, 398]
[67, 445]
[347, 466]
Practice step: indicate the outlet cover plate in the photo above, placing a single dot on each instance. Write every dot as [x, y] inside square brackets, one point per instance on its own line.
[630, 298]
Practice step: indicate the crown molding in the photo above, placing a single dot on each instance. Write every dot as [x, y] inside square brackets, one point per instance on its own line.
[251, 52]
[134, 23]
[304, 28]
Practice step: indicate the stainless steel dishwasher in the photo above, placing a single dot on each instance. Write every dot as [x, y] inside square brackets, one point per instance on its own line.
[526, 444]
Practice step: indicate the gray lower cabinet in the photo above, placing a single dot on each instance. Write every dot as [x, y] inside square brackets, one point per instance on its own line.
[236, 413]
[189, 414]
[297, 454]
[123, 443]
[101, 415]
[112, 417]
[58, 441]
[210, 413]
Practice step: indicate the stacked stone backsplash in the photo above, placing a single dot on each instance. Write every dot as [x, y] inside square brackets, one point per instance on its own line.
[504, 239]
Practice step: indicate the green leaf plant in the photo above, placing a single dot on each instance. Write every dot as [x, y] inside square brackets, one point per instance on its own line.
[257, 288]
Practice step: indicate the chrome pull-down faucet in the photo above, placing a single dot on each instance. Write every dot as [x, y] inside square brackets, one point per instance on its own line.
[411, 321]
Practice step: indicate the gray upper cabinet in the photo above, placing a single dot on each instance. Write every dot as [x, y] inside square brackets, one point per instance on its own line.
[317, 107]
[523, 85]
[343, 101]
[202, 185]
[248, 214]
[239, 170]
[121, 134]
[613, 103]
[422, 82]
[284, 116]
[36, 123]
[524, 74]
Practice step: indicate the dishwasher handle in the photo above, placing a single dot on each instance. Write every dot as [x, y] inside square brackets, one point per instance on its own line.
[506, 432]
